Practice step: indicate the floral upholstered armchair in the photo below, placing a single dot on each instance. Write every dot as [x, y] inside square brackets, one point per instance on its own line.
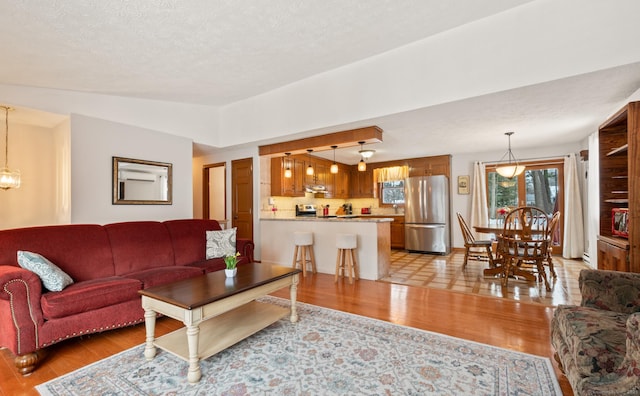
[598, 343]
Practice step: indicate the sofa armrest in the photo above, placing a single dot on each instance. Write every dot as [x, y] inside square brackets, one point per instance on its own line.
[627, 378]
[245, 247]
[22, 289]
[610, 290]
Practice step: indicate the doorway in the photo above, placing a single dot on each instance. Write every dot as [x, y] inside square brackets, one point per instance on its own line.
[242, 197]
[214, 193]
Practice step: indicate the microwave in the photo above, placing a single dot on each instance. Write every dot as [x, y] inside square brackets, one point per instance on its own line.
[620, 222]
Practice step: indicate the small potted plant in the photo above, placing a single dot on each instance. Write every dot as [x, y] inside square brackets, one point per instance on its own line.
[231, 261]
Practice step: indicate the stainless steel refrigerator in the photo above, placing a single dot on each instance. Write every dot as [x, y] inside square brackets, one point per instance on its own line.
[426, 214]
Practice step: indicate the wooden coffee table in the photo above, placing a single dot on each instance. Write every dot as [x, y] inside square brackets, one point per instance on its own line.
[217, 311]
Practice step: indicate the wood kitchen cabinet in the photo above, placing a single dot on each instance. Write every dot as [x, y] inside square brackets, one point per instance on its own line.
[283, 186]
[341, 182]
[397, 230]
[361, 183]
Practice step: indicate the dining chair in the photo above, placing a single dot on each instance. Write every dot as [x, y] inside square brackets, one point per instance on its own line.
[523, 245]
[552, 229]
[475, 249]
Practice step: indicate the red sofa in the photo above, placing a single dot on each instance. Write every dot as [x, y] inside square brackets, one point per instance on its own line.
[108, 263]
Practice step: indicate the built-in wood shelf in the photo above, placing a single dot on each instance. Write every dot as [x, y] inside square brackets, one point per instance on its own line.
[617, 200]
[618, 150]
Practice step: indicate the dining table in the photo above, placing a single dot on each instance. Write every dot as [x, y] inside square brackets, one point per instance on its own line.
[498, 268]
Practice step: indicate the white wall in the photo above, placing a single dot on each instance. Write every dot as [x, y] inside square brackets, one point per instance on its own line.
[39, 154]
[227, 156]
[93, 144]
[195, 122]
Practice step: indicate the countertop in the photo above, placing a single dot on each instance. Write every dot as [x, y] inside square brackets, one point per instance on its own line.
[352, 218]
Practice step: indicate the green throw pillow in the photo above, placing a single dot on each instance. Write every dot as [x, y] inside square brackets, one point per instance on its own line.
[52, 277]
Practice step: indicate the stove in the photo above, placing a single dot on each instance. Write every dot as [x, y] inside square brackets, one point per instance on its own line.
[305, 210]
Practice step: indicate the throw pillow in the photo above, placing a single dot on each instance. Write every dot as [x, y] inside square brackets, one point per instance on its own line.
[221, 243]
[52, 276]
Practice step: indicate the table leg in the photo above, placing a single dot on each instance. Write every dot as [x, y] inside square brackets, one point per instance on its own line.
[194, 373]
[150, 327]
[293, 291]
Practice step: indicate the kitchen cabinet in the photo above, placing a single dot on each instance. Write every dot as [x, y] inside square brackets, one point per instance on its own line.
[397, 230]
[430, 166]
[287, 187]
[341, 182]
[619, 157]
[361, 183]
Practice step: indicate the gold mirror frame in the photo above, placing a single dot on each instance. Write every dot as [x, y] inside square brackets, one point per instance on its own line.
[150, 182]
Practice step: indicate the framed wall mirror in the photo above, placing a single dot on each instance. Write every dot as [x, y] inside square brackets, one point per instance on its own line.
[140, 182]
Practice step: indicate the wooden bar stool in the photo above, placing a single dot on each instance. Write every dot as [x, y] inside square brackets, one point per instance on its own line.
[303, 252]
[346, 260]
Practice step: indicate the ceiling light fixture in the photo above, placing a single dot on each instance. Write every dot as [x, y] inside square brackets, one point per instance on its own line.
[310, 167]
[334, 166]
[510, 168]
[362, 166]
[366, 154]
[8, 178]
[287, 166]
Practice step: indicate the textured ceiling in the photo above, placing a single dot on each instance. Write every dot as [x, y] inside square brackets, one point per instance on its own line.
[208, 51]
[215, 52]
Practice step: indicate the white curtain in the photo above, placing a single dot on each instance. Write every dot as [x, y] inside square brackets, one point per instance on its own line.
[573, 243]
[479, 211]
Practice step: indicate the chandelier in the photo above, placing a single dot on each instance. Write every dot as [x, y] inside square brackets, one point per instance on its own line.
[509, 167]
[8, 178]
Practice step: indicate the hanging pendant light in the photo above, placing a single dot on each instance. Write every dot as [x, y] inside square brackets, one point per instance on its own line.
[362, 166]
[309, 168]
[287, 170]
[510, 168]
[334, 166]
[8, 178]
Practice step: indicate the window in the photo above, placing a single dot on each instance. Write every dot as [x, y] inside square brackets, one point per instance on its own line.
[540, 185]
[392, 192]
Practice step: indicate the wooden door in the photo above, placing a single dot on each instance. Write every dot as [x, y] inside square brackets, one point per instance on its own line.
[242, 197]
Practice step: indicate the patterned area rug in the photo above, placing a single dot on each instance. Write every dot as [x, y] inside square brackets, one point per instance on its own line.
[326, 353]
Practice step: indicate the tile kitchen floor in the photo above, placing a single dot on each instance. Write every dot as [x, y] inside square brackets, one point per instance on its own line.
[446, 272]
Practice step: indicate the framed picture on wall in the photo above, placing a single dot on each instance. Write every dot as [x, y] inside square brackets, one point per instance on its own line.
[463, 184]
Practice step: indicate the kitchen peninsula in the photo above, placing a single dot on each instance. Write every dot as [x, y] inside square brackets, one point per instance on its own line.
[373, 235]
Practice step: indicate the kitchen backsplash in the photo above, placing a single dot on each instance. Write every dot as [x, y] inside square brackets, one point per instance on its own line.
[285, 206]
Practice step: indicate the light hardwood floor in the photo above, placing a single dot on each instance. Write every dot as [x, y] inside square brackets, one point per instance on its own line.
[502, 322]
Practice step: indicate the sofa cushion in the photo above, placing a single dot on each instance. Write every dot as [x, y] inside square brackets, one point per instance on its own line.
[596, 338]
[81, 250]
[159, 276]
[139, 245]
[89, 295]
[52, 277]
[189, 238]
[221, 243]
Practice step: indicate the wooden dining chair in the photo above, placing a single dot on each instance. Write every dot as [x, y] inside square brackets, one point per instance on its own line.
[523, 245]
[552, 229]
[475, 249]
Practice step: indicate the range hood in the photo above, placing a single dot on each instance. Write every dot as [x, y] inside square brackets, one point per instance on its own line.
[316, 189]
